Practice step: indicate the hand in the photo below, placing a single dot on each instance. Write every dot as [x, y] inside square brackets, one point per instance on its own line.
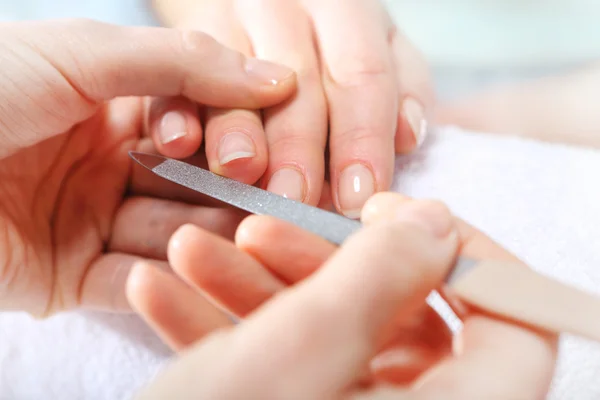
[561, 109]
[355, 323]
[73, 215]
[363, 90]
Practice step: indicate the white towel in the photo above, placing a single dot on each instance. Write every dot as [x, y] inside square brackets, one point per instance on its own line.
[539, 200]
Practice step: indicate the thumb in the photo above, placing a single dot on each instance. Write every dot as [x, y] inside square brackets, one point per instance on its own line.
[55, 74]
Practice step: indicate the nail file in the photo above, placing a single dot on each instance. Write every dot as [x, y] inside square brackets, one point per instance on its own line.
[509, 290]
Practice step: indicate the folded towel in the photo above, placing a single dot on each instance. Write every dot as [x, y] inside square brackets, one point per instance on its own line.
[536, 199]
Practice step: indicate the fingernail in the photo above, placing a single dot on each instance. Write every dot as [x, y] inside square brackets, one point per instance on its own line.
[235, 146]
[287, 182]
[267, 72]
[415, 115]
[356, 186]
[430, 216]
[172, 127]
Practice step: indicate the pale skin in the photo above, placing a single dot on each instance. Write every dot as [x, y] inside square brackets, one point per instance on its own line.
[74, 216]
[70, 204]
[363, 90]
[309, 333]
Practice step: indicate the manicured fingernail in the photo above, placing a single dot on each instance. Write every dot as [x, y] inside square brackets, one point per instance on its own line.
[267, 72]
[415, 115]
[172, 127]
[430, 216]
[287, 182]
[356, 186]
[234, 146]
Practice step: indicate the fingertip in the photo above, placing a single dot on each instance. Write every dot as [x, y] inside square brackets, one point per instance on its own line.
[238, 156]
[274, 82]
[179, 242]
[413, 126]
[252, 231]
[272, 95]
[175, 126]
[140, 283]
[430, 215]
[236, 144]
[381, 205]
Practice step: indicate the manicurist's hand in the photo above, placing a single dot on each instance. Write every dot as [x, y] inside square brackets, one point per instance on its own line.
[363, 90]
[74, 216]
[322, 323]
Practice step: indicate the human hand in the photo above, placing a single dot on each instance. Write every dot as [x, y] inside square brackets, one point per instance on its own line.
[73, 216]
[356, 322]
[364, 91]
[560, 109]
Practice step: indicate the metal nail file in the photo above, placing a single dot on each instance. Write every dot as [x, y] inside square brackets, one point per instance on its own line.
[510, 290]
[333, 227]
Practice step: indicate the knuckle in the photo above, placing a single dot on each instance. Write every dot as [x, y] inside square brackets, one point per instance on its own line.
[362, 139]
[194, 41]
[361, 71]
[292, 140]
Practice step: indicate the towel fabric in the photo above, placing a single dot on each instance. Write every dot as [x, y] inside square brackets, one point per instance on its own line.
[536, 199]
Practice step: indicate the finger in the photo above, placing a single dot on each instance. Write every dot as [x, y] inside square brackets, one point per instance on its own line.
[474, 243]
[416, 94]
[419, 344]
[89, 62]
[177, 313]
[235, 140]
[292, 254]
[385, 268]
[297, 253]
[296, 129]
[498, 360]
[213, 265]
[362, 93]
[143, 226]
[174, 125]
[103, 285]
[558, 109]
[236, 146]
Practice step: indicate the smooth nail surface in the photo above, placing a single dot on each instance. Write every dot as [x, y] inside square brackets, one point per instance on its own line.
[415, 116]
[173, 126]
[355, 187]
[266, 72]
[234, 146]
[287, 182]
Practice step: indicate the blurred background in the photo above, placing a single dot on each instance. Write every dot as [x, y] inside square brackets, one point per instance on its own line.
[469, 43]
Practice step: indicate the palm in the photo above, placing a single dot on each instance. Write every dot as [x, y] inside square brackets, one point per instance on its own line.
[57, 204]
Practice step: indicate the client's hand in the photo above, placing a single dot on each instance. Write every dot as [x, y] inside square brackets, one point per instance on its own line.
[562, 109]
[358, 318]
[363, 89]
[72, 221]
